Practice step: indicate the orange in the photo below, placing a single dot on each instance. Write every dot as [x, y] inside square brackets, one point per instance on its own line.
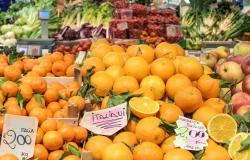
[98, 43]
[147, 151]
[113, 58]
[49, 113]
[69, 59]
[1, 124]
[178, 154]
[131, 126]
[9, 89]
[66, 148]
[117, 151]
[11, 101]
[101, 51]
[216, 103]
[63, 103]
[47, 65]
[179, 49]
[177, 61]
[56, 85]
[51, 95]
[71, 157]
[115, 71]
[66, 132]
[70, 71]
[78, 100]
[58, 114]
[168, 144]
[163, 68]
[97, 145]
[39, 135]
[55, 155]
[176, 83]
[3, 65]
[117, 48]
[31, 105]
[207, 70]
[8, 157]
[41, 152]
[148, 129]
[204, 114]
[165, 50]
[12, 73]
[38, 85]
[216, 152]
[39, 113]
[81, 134]
[59, 68]
[40, 70]
[4, 58]
[15, 110]
[102, 82]
[170, 112]
[155, 84]
[56, 56]
[145, 92]
[29, 64]
[208, 86]
[125, 84]
[188, 99]
[126, 137]
[49, 125]
[54, 106]
[142, 50]
[26, 91]
[92, 62]
[191, 67]
[32, 74]
[137, 67]
[50, 75]
[52, 140]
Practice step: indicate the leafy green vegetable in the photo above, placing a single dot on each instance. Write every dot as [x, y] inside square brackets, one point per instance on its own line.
[245, 144]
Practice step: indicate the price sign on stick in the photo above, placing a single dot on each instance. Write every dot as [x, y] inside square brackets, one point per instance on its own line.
[19, 135]
[190, 134]
[106, 121]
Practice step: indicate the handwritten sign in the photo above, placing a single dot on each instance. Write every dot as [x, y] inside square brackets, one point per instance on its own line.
[19, 135]
[190, 134]
[106, 121]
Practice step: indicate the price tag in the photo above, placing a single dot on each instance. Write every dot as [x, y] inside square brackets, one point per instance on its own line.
[19, 136]
[171, 31]
[190, 134]
[34, 51]
[106, 121]
[22, 48]
[81, 56]
[122, 26]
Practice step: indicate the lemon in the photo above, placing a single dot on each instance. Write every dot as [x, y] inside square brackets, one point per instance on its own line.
[143, 107]
[222, 128]
[234, 146]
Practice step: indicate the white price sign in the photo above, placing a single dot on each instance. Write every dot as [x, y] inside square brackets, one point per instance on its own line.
[19, 135]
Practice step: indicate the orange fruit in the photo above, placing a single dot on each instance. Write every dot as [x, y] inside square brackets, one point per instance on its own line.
[204, 114]
[92, 62]
[4, 58]
[170, 112]
[47, 65]
[97, 145]
[39, 113]
[3, 65]
[49, 125]
[216, 103]
[51, 95]
[69, 59]
[142, 50]
[208, 86]
[216, 152]
[55, 155]
[39, 135]
[207, 70]
[58, 114]
[40, 70]
[31, 105]
[26, 91]
[126, 137]
[104, 102]
[179, 49]
[102, 82]
[115, 71]
[81, 134]
[59, 68]
[41, 152]
[66, 132]
[38, 85]
[66, 146]
[177, 61]
[145, 92]
[117, 48]
[117, 151]
[101, 51]
[52, 140]
[56, 56]
[163, 68]
[178, 154]
[113, 58]
[165, 50]
[12, 73]
[63, 103]
[71, 157]
[8, 157]
[50, 75]
[29, 64]
[49, 113]
[125, 84]
[11, 101]
[1, 124]
[155, 84]
[168, 144]
[70, 71]
[131, 126]
[176, 83]
[147, 151]
[191, 67]
[15, 110]
[148, 129]
[78, 100]
[56, 85]
[188, 99]
[98, 43]
[9, 89]
[54, 106]
[137, 67]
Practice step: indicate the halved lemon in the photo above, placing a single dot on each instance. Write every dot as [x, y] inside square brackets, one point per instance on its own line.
[222, 128]
[143, 107]
[234, 147]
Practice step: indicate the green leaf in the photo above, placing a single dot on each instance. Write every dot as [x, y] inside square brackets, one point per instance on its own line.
[215, 75]
[168, 126]
[20, 100]
[119, 99]
[94, 98]
[228, 98]
[65, 154]
[38, 98]
[242, 125]
[2, 80]
[246, 117]
[198, 155]
[27, 71]
[245, 144]
[225, 84]
[74, 150]
[63, 97]
[134, 118]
